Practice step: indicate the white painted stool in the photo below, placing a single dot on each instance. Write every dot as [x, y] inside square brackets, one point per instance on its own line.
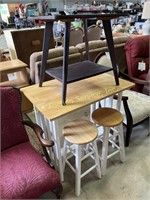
[77, 134]
[110, 119]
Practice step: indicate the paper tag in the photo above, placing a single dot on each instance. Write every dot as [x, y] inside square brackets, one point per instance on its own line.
[141, 66]
[11, 76]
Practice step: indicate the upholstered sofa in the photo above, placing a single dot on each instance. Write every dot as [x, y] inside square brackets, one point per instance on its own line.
[76, 54]
[55, 59]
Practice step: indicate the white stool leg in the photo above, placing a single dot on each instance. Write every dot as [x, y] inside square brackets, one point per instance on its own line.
[98, 169]
[78, 169]
[64, 154]
[105, 150]
[121, 143]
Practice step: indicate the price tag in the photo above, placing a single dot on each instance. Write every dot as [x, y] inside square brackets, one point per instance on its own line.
[11, 76]
[141, 66]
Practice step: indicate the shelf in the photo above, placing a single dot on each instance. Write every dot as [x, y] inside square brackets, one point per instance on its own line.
[78, 71]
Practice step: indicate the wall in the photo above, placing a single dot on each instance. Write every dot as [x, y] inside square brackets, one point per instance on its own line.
[59, 4]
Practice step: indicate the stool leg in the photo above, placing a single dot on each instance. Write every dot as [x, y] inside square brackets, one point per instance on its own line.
[78, 169]
[121, 143]
[64, 154]
[96, 159]
[105, 150]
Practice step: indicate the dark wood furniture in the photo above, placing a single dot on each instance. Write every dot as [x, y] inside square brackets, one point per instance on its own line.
[48, 34]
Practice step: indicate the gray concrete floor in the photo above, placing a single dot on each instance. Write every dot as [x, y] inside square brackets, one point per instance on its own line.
[123, 181]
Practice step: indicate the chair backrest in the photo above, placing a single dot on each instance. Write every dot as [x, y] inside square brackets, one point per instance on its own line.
[76, 37]
[12, 130]
[94, 32]
[137, 50]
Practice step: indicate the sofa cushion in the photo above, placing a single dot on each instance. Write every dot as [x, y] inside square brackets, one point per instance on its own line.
[139, 108]
[120, 39]
[92, 45]
[22, 172]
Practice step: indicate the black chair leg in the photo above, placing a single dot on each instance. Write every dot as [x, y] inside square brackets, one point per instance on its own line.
[128, 134]
[58, 191]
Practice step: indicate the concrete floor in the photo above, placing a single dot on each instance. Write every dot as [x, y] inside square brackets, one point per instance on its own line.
[123, 181]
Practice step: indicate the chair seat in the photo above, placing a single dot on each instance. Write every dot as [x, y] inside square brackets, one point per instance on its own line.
[139, 105]
[23, 177]
[107, 117]
[80, 132]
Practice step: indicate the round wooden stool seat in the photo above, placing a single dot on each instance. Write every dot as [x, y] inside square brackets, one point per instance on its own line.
[107, 117]
[80, 132]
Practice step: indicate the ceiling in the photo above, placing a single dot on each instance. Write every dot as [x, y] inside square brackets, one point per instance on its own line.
[19, 1]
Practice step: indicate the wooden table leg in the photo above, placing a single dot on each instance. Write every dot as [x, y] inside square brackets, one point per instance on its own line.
[86, 39]
[48, 42]
[65, 62]
[110, 43]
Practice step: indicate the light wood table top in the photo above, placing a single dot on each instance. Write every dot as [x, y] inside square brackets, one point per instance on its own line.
[47, 98]
[16, 67]
[12, 65]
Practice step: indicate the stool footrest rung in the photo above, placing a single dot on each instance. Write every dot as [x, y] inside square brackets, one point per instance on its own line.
[112, 154]
[70, 165]
[87, 171]
[87, 155]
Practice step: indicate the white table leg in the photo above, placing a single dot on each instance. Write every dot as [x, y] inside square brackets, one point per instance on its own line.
[57, 149]
[119, 101]
[50, 132]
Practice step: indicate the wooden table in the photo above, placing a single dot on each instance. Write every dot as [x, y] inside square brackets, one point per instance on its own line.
[49, 110]
[18, 69]
[67, 19]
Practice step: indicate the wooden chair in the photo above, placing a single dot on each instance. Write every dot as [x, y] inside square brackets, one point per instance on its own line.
[76, 37]
[93, 32]
[24, 173]
[134, 106]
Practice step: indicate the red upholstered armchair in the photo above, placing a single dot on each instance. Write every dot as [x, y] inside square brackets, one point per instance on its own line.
[24, 174]
[137, 51]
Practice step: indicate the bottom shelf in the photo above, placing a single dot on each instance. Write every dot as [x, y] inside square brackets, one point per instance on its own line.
[78, 71]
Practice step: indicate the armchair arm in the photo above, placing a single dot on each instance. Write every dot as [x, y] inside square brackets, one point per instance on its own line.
[45, 143]
[134, 80]
[126, 108]
[39, 132]
[99, 56]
